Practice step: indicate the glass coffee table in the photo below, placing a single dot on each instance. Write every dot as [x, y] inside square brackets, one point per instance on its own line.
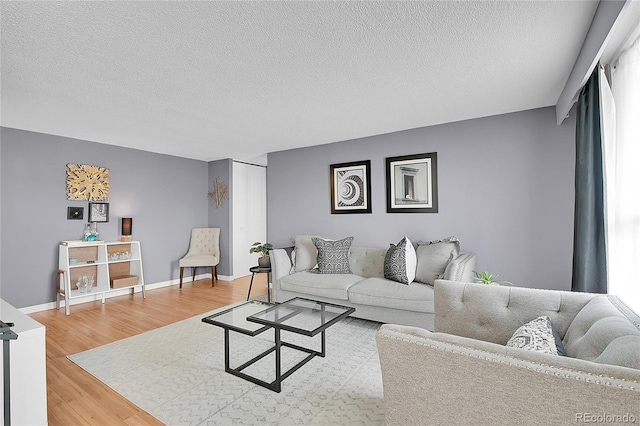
[301, 316]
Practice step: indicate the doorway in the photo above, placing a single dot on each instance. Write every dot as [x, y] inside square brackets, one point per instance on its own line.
[249, 214]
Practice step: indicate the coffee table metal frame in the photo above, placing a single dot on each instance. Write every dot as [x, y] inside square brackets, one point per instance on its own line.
[277, 325]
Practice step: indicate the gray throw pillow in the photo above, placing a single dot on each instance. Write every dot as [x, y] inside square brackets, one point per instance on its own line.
[333, 256]
[433, 258]
[536, 335]
[400, 262]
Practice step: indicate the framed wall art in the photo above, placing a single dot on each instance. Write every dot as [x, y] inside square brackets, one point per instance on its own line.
[75, 213]
[86, 182]
[98, 212]
[412, 183]
[351, 187]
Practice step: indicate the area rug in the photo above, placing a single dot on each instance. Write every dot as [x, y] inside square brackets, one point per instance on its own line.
[176, 374]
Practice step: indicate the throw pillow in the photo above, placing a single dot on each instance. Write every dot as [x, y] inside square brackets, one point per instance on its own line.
[433, 258]
[536, 335]
[304, 254]
[400, 262]
[333, 256]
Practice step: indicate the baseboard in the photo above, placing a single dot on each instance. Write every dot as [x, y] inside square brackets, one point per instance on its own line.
[113, 293]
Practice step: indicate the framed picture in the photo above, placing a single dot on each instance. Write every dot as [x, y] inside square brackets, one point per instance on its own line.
[75, 213]
[412, 183]
[351, 187]
[98, 212]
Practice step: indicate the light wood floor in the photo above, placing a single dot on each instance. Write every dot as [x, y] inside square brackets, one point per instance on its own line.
[77, 398]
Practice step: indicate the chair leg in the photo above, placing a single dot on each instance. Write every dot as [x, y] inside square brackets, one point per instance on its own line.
[181, 274]
[193, 273]
[216, 271]
[213, 275]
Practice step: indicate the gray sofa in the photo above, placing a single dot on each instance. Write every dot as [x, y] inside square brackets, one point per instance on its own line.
[464, 374]
[374, 297]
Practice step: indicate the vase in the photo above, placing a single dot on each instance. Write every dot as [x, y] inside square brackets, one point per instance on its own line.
[87, 232]
[264, 262]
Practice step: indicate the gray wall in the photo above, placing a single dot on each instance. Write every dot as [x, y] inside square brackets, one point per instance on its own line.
[505, 190]
[165, 196]
[221, 217]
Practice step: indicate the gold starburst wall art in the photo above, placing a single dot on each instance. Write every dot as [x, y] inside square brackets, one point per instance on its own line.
[219, 193]
[85, 182]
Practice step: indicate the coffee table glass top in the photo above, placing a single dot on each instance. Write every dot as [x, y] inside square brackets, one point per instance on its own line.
[236, 318]
[303, 316]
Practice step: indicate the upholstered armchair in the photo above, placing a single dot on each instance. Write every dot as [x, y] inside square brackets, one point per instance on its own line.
[464, 373]
[204, 250]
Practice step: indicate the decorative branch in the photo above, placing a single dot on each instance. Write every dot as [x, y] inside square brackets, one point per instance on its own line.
[219, 193]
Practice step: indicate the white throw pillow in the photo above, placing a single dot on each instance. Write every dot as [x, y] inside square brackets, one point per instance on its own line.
[536, 335]
[400, 262]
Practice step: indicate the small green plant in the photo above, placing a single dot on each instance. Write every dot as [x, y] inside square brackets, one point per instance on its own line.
[485, 277]
[263, 249]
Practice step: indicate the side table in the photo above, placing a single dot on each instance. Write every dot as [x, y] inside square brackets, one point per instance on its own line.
[258, 270]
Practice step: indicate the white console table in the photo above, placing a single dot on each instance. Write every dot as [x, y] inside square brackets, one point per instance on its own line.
[28, 368]
[104, 262]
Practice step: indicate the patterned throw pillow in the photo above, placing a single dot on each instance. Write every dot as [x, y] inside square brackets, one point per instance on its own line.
[536, 335]
[333, 256]
[400, 262]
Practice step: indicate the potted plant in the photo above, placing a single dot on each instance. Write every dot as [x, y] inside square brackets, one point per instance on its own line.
[485, 277]
[263, 249]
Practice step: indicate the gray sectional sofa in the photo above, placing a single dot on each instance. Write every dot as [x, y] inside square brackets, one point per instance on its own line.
[365, 288]
[464, 374]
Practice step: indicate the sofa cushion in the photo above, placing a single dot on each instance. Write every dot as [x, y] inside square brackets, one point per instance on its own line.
[601, 333]
[400, 262]
[333, 255]
[304, 253]
[367, 262]
[375, 291]
[433, 258]
[332, 286]
[536, 335]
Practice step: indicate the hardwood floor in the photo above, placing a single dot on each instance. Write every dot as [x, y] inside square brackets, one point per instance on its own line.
[77, 398]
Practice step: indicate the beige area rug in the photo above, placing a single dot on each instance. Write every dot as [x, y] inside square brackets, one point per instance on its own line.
[176, 373]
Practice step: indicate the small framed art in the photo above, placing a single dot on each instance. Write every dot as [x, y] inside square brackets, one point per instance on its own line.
[412, 183]
[351, 187]
[75, 213]
[98, 212]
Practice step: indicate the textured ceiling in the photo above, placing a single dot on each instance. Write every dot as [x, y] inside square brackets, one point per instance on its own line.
[212, 80]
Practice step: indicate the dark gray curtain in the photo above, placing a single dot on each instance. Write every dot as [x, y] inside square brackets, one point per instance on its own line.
[589, 252]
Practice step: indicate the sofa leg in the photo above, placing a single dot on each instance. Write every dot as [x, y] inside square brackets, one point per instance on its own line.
[181, 274]
[193, 273]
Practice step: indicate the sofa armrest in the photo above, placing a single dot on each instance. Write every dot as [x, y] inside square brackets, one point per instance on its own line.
[461, 268]
[280, 267]
[455, 380]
